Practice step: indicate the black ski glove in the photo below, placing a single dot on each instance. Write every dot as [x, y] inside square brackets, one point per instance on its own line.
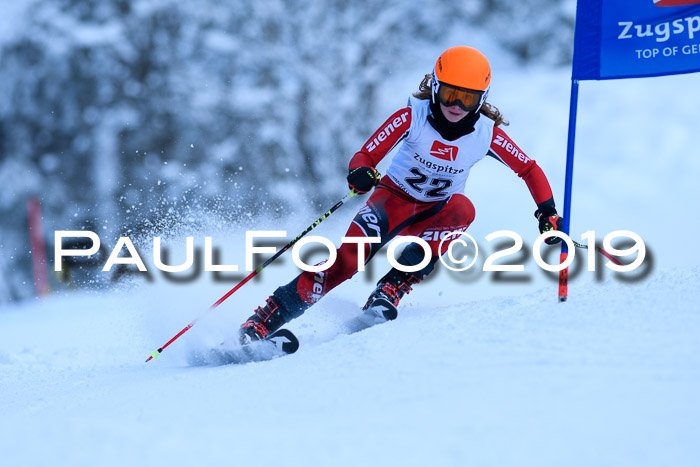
[362, 179]
[549, 220]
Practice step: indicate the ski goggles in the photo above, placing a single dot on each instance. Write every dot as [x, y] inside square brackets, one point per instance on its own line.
[466, 99]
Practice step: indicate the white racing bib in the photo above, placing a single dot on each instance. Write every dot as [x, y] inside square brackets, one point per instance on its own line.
[430, 168]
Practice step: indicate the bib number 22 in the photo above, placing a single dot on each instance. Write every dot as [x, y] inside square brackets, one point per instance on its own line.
[420, 180]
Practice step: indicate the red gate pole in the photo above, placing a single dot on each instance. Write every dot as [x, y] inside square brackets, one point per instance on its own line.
[38, 247]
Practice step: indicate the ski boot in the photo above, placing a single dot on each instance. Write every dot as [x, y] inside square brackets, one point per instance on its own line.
[390, 289]
[265, 321]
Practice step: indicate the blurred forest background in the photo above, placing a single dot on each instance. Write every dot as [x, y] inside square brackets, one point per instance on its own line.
[124, 116]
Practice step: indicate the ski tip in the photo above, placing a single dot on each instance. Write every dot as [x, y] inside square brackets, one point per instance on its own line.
[383, 308]
[286, 339]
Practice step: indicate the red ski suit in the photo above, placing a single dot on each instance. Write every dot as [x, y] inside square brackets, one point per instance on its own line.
[391, 210]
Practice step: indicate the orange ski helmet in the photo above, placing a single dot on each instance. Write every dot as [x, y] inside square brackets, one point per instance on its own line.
[461, 76]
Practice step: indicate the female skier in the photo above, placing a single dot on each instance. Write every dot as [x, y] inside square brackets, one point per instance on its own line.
[446, 128]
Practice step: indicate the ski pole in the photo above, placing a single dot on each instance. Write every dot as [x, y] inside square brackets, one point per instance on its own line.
[603, 252]
[564, 273]
[325, 215]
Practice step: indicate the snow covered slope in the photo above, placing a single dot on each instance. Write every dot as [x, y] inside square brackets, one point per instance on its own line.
[610, 378]
[472, 372]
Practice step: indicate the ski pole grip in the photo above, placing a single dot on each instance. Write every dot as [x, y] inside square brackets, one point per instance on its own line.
[378, 178]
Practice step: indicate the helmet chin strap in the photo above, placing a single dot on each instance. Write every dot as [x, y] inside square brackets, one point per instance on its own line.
[483, 98]
[434, 88]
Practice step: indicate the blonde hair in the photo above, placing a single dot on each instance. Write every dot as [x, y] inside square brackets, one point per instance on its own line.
[425, 91]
